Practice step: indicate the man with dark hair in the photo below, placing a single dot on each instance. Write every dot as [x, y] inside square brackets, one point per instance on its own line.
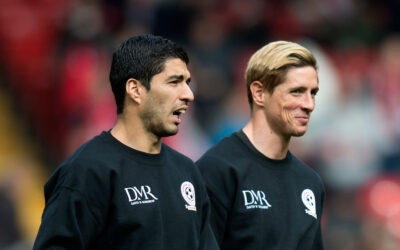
[262, 196]
[125, 189]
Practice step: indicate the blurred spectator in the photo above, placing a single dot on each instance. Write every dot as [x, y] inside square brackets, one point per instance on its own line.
[351, 148]
[385, 83]
[210, 66]
[29, 33]
[282, 20]
[342, 223]
[86, 106]
[172, 19]
[9, 233]
[379, 202]
[248, 22]
[235, 108]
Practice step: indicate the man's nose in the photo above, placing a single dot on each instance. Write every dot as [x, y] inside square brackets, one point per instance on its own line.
[309, 102]
[187, 94]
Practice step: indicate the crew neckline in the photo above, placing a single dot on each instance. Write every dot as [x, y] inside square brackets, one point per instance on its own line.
[275, 162]
[137, 154]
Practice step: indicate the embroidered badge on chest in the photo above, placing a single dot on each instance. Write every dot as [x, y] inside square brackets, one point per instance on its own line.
[308, 198]
[141, 195]
[255, 199]
[189, 195]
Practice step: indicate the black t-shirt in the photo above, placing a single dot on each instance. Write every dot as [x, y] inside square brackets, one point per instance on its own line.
[261, 203]
[110, 196]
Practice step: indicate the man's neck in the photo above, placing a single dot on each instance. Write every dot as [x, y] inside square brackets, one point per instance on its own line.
[132, 134]
[265, 139]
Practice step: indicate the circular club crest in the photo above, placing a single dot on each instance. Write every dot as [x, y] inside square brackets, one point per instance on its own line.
[188, 193]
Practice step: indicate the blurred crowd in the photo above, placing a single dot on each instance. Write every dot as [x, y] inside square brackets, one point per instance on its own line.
[54, 65]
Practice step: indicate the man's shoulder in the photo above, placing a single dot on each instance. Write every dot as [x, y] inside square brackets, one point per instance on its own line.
[102, 151]
[86, 158]
[303, 169]
[177, 156]
[92, 148]
[225, 147]
[224, 153]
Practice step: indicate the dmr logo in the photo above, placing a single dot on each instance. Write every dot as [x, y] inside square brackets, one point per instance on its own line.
[140, 196]
[254, 199]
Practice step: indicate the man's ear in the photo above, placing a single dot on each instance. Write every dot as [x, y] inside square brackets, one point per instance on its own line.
[134, 90]
[257, 91]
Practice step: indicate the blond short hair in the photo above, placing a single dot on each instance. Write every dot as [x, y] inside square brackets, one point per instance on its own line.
[270, 64]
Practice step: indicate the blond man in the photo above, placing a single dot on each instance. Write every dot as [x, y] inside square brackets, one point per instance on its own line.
[262, 196]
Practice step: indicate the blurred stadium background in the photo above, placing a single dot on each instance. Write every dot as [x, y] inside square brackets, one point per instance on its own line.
[55, 94]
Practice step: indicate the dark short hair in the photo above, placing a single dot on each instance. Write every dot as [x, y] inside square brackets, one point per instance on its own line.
[141, 57]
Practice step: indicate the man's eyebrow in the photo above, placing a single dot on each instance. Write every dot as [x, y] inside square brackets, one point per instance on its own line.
[175, 77]
[178, 77]
[298, 88]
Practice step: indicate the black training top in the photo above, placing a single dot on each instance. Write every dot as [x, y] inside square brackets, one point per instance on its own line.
[110, 196]
[260, 203]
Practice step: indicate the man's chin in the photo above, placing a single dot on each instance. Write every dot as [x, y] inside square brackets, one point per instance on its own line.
[168, 132]
[299, 133]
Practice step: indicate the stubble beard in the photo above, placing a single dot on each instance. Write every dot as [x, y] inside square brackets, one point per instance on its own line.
[298, 134]
[152, 122]
[286, 128]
